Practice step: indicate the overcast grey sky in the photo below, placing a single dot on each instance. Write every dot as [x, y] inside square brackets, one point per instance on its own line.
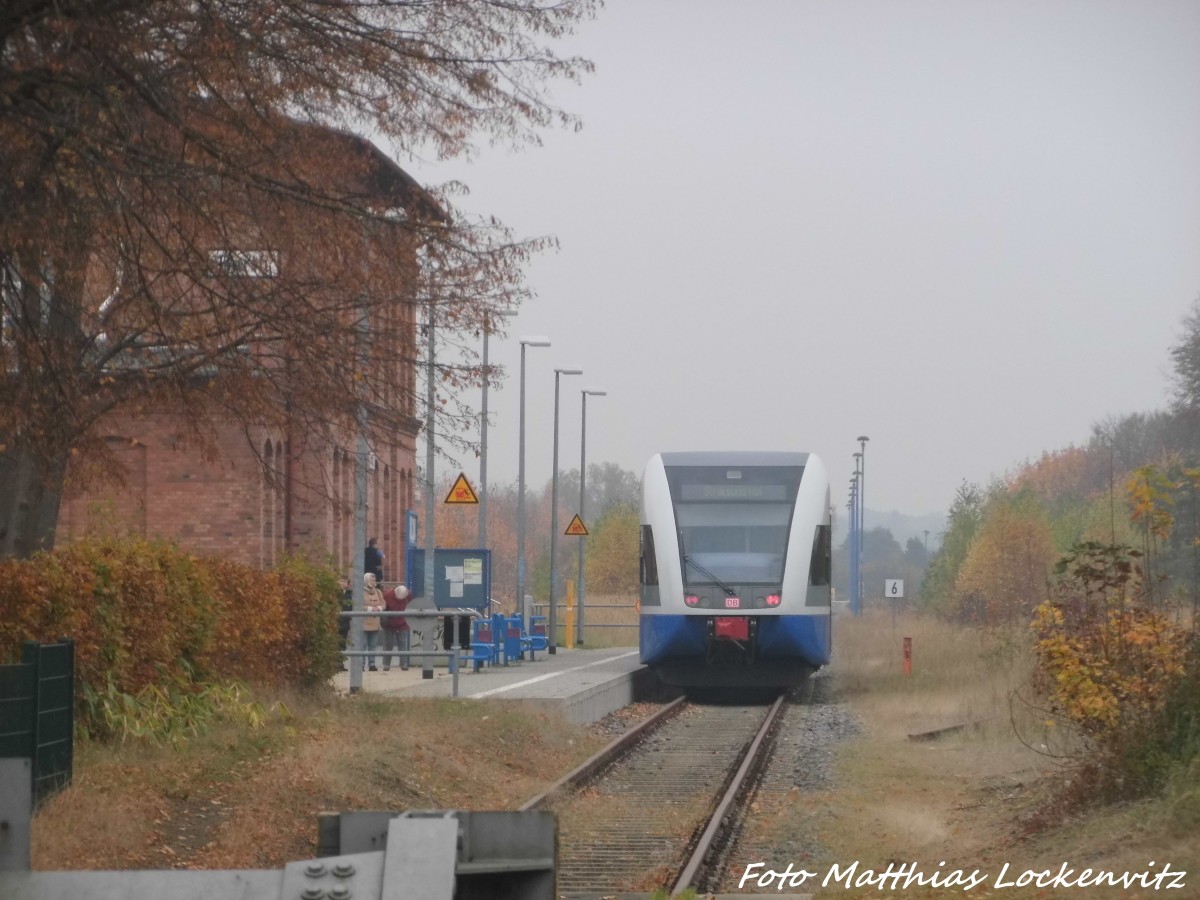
[968, 230]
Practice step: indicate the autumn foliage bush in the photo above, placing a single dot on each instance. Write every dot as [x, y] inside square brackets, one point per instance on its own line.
[144, 614]
[1118, 668]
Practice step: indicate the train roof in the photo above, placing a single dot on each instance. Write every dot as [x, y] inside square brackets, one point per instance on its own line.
[735, 458]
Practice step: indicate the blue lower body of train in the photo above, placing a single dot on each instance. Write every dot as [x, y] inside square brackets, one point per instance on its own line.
[781, 650]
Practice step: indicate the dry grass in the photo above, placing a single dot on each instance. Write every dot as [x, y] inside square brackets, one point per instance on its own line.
[959, 676]
[241, 799]
[967, 797]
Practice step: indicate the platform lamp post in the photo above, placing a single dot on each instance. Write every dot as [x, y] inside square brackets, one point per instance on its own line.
[428, 600]
[521, 610]
[552, 635]
[856, 599]
[357, 637]
[488, 317]
[854, 548]
[862, 509]
[582, 494]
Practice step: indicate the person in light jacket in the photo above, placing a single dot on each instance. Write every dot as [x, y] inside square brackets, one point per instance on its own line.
[372, 602]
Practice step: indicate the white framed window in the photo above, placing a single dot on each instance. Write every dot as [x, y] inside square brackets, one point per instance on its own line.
[245, 263]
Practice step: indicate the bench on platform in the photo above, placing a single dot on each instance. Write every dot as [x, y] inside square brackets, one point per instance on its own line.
[538, 639]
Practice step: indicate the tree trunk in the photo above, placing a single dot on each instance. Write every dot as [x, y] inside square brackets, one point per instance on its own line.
[30, 497]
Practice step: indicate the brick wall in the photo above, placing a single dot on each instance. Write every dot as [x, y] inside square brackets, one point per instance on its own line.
[249, 503]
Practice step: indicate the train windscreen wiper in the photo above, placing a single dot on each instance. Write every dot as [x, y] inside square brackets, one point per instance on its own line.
[729, 592]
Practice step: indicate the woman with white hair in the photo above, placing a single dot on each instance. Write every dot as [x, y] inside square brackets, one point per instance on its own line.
[395, 628]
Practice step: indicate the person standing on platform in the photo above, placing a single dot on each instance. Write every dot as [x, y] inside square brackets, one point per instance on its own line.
[372, 602]
[373, 559]
[395, 628]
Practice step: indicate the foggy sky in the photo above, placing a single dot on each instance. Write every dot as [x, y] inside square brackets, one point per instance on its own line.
[966, 230]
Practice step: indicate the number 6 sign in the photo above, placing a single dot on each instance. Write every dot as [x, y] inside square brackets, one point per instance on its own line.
[893, 588]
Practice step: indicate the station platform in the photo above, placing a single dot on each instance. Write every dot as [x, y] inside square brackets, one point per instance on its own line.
[579, 685]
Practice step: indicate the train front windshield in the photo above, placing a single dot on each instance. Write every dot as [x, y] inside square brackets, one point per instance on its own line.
[733, 521]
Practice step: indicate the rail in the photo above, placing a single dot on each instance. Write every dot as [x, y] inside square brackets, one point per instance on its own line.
[719, 821]
[651, 811]
[590, 767]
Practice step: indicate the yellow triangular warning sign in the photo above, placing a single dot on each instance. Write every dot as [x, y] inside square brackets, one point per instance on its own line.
[462, 492]
[577, 527]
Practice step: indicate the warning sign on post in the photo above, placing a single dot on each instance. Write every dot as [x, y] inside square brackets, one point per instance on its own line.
[462, 492]
[577, 527]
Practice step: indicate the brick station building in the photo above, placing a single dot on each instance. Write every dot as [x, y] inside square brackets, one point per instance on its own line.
[266, 492]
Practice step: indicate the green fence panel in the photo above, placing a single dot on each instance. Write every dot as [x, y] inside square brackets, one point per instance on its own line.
[37, 713]
[18, 693]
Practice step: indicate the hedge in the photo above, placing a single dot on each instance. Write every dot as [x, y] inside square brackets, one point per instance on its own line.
[146, 612]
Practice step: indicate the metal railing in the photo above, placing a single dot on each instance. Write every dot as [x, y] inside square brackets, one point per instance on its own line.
[541, 610]
[451, 656]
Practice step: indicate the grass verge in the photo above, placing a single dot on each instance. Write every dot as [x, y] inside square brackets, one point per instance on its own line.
[248, 798]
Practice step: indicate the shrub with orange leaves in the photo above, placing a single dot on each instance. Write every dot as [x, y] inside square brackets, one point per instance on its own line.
[1108, 663]
[146, 613]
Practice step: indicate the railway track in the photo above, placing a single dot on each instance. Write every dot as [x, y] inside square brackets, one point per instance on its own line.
[658, 807]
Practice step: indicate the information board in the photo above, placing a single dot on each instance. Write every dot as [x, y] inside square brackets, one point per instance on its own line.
[461, 577]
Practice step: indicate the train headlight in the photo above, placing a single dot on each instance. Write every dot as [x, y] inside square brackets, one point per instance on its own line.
[691, 600]
[759, 602]
[773, 600]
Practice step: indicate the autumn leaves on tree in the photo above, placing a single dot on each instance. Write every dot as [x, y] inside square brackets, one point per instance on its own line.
[188, 221]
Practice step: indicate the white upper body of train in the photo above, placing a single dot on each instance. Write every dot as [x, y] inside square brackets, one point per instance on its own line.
[754, 521]
[735, 558]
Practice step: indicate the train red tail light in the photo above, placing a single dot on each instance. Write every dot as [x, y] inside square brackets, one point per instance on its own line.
[691, 600]
[772, 600]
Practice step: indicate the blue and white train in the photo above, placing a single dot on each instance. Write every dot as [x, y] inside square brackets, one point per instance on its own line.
[735, 568]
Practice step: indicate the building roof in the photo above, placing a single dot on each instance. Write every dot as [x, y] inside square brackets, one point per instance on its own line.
[376, 178]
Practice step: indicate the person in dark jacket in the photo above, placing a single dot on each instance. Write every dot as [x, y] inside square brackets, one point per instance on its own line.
[344, 621]
[373, 559]
[395, 628]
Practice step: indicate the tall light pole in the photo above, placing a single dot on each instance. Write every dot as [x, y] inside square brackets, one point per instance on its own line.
[862, 508]
[582, 494]
[488, 315]
[552, 636]
[856, 600]
[427, 599]
[521, 610]
[854, 548]
[357, 638]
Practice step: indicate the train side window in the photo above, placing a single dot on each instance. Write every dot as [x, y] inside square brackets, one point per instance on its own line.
[820, 568]
[648, 568]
